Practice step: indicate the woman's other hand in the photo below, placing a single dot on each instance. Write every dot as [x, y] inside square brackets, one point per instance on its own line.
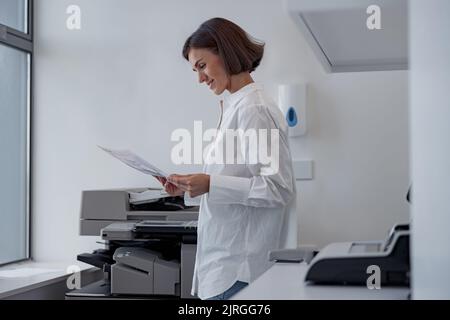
[170, 188]
[194, 184]
[161, 180]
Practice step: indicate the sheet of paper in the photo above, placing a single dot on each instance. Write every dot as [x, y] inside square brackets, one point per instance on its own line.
[151, 195]
[136, 162]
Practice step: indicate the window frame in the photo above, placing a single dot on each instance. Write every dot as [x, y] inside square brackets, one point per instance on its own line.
[22, 41]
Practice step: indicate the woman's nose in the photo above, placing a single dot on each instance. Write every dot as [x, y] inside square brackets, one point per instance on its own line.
[201, 77]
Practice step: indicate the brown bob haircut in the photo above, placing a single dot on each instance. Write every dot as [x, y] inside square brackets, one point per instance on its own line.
[239, 51]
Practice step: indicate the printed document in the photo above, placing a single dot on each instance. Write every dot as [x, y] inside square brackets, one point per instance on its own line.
[136, 162]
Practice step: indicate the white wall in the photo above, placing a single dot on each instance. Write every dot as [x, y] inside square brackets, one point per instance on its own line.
[430, 153]
[121, 82]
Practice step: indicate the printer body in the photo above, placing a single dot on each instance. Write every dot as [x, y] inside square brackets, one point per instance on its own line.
[150, 241]
[351, 263]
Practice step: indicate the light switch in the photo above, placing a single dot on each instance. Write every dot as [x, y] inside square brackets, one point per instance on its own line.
[303, 169]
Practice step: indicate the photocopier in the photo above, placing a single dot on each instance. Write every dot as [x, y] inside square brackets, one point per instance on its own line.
[149, 239]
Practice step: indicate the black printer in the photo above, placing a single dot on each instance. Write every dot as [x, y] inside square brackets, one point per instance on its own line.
[351, 262]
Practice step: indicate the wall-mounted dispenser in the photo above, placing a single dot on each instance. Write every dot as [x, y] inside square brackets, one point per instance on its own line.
[292, 102]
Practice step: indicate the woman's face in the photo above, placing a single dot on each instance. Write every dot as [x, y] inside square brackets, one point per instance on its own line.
[210, 69]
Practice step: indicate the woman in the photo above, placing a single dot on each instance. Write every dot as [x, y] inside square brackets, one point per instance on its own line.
[243, 207]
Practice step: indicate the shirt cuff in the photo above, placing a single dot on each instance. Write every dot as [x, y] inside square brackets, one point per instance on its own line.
[228, 189]
[189, 201]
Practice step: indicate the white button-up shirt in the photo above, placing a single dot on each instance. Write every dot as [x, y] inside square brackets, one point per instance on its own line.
[249, 209]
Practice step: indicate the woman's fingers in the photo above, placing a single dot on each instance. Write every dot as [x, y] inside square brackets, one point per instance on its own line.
[194, 184]
[161, 180]
[173, 190]
[181, 181]
[181, 187]
[169, 188]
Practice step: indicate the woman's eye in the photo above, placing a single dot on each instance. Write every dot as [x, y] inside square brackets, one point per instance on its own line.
[202, 66]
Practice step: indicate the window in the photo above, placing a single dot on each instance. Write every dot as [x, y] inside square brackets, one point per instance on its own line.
[16, 49]
[13, 14]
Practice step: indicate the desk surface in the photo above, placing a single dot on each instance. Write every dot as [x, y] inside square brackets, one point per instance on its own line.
[28, 275]
[285, 281]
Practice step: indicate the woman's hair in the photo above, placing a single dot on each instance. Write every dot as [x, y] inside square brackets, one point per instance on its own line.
[238, 50]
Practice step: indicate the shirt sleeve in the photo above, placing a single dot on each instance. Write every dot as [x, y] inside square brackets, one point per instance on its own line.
[271, 183]
[189, 201]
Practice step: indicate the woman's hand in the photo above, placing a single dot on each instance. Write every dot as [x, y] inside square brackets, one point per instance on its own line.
[170, 188]
[194, 184]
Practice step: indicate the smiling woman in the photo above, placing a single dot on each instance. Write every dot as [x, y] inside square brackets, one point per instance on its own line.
[220, 49]
[245, 208]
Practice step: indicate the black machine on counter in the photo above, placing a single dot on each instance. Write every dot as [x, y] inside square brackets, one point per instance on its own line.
[349, 262]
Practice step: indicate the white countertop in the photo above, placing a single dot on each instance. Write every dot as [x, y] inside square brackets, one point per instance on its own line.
[28, 275]
[285, 281]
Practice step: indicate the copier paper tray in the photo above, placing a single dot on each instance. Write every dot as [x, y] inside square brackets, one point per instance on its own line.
[354, 262]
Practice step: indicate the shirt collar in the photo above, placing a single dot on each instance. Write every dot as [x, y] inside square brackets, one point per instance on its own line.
[234, 98]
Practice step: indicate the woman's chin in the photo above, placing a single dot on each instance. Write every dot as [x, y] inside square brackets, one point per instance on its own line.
[217, 91]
